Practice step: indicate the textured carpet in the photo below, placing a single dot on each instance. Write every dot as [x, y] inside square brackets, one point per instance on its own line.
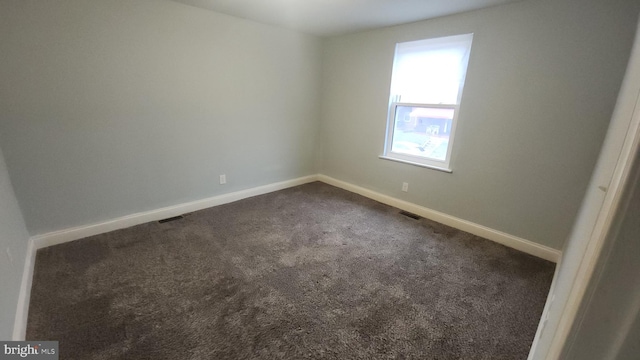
[308, 272]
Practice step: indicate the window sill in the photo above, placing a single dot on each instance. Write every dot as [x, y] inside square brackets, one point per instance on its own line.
[447, 170]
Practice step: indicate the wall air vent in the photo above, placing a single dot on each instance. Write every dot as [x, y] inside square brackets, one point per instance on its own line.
[411, 215]
[170, 219]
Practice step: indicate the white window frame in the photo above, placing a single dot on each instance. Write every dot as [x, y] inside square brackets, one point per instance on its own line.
[442, 165]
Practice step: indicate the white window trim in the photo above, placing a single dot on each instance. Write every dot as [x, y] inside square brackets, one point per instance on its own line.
[441, 165]
[420, 164]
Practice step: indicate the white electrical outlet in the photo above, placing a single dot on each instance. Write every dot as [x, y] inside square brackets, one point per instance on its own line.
[405, 186]
[223, 179]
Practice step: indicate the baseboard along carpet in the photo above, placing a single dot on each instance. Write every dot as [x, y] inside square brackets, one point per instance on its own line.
[308, 272]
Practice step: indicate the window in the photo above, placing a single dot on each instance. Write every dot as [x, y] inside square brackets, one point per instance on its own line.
[426, 88]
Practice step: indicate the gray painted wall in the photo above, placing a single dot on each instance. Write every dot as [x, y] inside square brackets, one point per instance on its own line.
[541, 85]
[13, 236]
[109, 108]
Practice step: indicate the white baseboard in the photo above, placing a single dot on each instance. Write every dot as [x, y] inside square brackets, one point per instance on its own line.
[20, 324]
[500, 237]
[61, 236]
[80, 232]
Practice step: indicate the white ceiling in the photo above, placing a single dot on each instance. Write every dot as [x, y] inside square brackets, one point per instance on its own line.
[333, 17]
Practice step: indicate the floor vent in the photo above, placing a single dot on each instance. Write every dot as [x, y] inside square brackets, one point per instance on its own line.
[411, 215]
[170, 219]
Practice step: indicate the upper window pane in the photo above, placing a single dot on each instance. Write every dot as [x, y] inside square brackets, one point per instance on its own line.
[430, 71]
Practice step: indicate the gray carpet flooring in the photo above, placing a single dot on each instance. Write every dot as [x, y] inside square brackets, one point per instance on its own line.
[308, 272]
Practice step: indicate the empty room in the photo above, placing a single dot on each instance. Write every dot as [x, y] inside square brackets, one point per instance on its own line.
[312, 179]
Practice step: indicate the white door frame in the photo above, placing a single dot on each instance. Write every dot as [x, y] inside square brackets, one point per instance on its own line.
[576, 268]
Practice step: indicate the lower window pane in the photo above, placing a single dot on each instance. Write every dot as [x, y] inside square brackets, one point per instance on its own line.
[422, 131]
